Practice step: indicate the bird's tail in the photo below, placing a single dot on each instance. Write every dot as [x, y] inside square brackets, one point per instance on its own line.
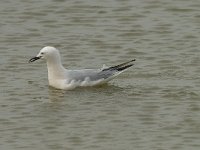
[120, 67]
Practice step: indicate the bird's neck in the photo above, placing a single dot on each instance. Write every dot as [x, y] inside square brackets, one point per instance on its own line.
[55, 70]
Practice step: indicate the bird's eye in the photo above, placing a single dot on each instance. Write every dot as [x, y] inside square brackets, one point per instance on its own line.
[42, 53]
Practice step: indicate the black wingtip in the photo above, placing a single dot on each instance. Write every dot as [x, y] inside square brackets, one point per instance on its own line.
[124, 67]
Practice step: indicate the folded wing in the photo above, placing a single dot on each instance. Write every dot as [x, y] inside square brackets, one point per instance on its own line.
[101, 74]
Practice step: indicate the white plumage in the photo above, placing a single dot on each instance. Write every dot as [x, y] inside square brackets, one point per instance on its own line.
[62, 78]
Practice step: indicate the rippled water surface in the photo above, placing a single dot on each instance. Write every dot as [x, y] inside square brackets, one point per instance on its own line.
[153, 106]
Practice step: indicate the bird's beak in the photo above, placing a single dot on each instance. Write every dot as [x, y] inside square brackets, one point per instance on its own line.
[34, 59]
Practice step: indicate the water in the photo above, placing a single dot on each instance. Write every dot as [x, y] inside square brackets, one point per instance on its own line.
[154, 105]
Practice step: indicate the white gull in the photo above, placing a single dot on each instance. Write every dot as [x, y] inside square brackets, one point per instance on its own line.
[62, 78]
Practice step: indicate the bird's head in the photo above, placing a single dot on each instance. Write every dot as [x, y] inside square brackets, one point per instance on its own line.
[47, 53]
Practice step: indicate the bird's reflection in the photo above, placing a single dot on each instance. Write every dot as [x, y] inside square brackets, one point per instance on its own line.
[56, 95]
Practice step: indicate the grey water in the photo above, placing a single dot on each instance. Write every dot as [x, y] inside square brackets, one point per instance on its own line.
[155, 105]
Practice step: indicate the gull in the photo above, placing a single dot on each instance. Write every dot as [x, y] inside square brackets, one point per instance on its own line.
[66, 79]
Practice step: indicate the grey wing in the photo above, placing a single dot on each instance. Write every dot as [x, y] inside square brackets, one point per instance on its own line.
[94, 75]
[102, 75]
